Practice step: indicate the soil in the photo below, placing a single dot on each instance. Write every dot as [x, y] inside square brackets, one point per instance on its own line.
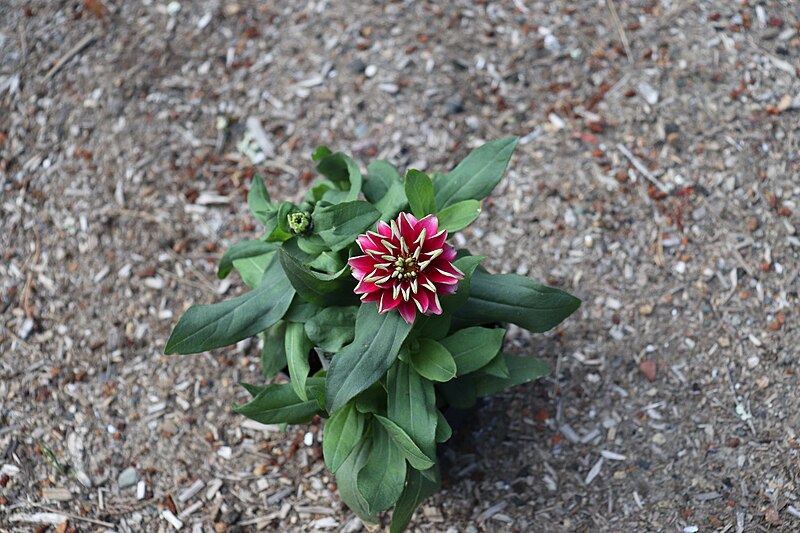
[656, 178]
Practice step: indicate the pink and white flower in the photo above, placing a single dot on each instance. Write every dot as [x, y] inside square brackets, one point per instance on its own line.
[407, 266]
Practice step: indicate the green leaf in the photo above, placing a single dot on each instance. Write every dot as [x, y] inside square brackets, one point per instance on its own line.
[466, 264]
[347, 482]
[316, 288]
[252, 390]
[342, 434]
[383, 476]
[372, 400]
[458, 216]
[476, 176]
[327, 262]
[251, 269]
[278, 404]
[344, 173]
[381, 177]
[520, 369]
[418, 489]
[241, 250]
[433, 361]
[408, 448]
[339, 225]
[432, 326]
[472, 348]
[320, 153]
[273, 353]
[496, 367]
[205, 327]
[443, 429]
[515, 299]
[332, 328]
[301, 311]
[419, 191]
[412, 405]
[460, 393]
[297, 348]
[258, 199]
[360, 364]
[272, 229]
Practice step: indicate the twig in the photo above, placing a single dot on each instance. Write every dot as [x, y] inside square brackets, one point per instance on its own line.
[75, 50]
[26, 291]
[620, 30]
[73, 516]
[641, 168]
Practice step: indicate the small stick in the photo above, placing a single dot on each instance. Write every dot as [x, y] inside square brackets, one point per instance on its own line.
[74, 517]
[620, 30]
[75, 50]
[641, 168]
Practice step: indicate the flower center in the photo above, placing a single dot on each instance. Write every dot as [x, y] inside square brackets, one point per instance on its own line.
[405, 267]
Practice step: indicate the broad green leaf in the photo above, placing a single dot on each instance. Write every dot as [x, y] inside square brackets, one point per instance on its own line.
[205, 327]
[384, 189]
[466, 264]
[317, 191]
[301, 311]
[408, 448]
[283, 212]
[278, 404]
[273, 353]
[432, 326]
[272, 230]
[320, 153]
[419, 191]
[316, 288]
[241, 250]
[496, 367]
[332, 328]
[383, 476]
[347, 482]
[251, 269]
[381, 177]
[520, 369]
[361, 363]
[460, 393]
[344, 173]
[343, 432]
[515, 299]
[339, 225]
[476, 176]
[372, 400]
[418, 488]
[297, 348]
[412, 405]
[459, 216]
[252, 390]
[473, 348]
[258, 199]
[443, 429]
[327, 262]
[433, 361]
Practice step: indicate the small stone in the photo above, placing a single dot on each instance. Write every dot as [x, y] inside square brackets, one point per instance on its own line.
[357, 66]
[454, 106]
[680, 267]
[649, 369]
[659, 439]
[391, 88]
[551, 43]
[370, 71]
[648, 92]
[128, 477]
[225, 452]
[753, 361]
[646, 310]
[753, 223]
[25, 329]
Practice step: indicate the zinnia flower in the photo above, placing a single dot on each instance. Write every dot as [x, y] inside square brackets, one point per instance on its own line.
[407, 266]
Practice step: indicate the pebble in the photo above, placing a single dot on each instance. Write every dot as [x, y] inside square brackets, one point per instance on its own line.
[391, 88]
[128, 478]
[370, 71]
[659, 439]
[25, 329]
[551, 43]
[357, 66]
[83, 479]
[225, 452]
[454, 106]
[680, 267]
[648, 92]
[649, 369]
[753, 361]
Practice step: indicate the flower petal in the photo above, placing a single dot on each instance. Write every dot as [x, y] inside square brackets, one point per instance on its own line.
[431, 225]
[388, 303]
[408, 311]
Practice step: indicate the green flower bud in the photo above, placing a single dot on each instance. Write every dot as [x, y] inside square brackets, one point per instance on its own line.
[299, 223]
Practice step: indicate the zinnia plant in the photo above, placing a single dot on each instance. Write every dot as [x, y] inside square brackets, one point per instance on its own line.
[368, 317]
